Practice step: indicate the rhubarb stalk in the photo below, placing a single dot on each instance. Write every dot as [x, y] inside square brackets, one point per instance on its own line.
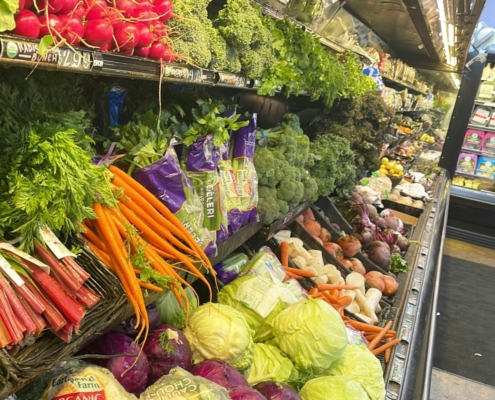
[19, 309]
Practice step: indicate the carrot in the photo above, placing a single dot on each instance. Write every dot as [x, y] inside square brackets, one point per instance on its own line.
[371, 336]
[330, 298]
[90, 236]
[300, 272]
[318, 296]
[161, 253]
[313, 291]
[345, 301]
[379, 336]
[117, 252]
[153, 224]
[139, 224]
[101, 255]
[284, 254]
[386, 346]
[154, 207]
[364, 327]
[291, 275]
[150, 286]
[335, 293]
[326, 286]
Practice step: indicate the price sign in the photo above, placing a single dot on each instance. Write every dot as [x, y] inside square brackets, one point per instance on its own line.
[70, 59]
[231, 79]
[22, 52]
[176, 73]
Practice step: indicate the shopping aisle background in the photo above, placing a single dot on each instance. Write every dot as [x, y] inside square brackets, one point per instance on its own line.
[464, 356]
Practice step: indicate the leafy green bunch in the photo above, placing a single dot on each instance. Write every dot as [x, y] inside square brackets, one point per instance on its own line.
[357, 84]
[333, 168]
[301, 64]
[240, 24]
[47, 178]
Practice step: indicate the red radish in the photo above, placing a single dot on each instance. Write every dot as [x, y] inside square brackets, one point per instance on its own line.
[27, 24]
[126, 52]
[98, 32]
[28, 4]
[80, 11]
[115, 17]
[72, 29]
[159, 30]
[53, 27]
[159, 50]
[97, 9]
[68, 6]
[147, 17]
[126, 7]
[391, 285]
[21, 6]
[127, 36]
[145, 36]
[140, 7]
[142, 51]
[105, 48]
[54, 6]
[164, 9]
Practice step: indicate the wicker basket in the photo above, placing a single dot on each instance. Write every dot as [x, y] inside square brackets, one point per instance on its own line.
[19, 369]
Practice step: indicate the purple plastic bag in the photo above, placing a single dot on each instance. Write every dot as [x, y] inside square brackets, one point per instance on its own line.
[167, 181]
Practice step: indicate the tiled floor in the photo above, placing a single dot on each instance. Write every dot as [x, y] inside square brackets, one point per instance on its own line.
[445, 385]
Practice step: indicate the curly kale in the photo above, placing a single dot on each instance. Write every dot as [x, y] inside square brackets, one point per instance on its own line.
[218, 48]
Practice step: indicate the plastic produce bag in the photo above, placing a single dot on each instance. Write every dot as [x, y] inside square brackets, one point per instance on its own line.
[168, 182]
[182, 385]
[202, 169]
[242, 162]
[229, 269]
[79, 380]
[264, 263]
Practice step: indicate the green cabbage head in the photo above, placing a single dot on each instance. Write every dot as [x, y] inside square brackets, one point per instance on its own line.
[333, 388]
[360, 365]
[269, 364]
[258, 298]
[312, 334]
[171, 313]
[217, 331]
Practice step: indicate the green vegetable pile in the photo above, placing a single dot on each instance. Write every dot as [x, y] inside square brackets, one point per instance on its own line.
[283, 180]
[363, 121]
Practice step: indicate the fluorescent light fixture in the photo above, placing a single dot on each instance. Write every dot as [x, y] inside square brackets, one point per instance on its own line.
[451, 34]
[453, 61]
[444, 29]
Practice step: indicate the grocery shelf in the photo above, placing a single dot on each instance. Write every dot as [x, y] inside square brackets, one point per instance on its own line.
[269, 231]
[396, 83]
[478, 152]
[23, 52]
[481, 128]
[485, 103]
[472, 176]
[472, 194]
[408, 373]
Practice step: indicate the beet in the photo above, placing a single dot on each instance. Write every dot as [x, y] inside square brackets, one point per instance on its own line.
[381, 223]
[392, 222]
[394, 249]
[372, 211]
[402, 242]
[381, 256]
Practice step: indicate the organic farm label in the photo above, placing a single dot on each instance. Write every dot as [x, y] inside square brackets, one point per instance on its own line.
[76, 387]
[28, 52]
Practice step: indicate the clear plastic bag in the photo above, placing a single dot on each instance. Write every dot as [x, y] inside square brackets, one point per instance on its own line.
[181, 385]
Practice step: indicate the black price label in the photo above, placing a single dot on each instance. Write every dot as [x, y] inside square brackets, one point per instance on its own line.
[231, 79]
[70, 59]
[18, 51]
[176, 73]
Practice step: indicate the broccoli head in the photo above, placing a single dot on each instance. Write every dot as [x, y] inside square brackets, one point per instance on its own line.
[310, 190]
[264, 162]
[265, 192]
[286, 190]
[270, 207]
[298, 193]
[284, 208]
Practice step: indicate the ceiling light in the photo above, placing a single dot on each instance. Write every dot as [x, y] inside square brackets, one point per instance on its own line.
[451, 34]
[444, 29]
[455, 79]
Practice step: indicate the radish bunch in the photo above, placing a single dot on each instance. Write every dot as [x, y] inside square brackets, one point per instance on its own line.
[129, 27]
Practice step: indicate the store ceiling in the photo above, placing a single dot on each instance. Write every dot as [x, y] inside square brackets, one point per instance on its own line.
[412, 28]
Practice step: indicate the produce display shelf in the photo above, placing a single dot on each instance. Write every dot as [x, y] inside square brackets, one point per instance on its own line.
[408, 373]
[481, 128]
[485, 103]
[479, 152]
[480, 196]
[23, 52]
[396, 83]
[473, 176]
[269, 231]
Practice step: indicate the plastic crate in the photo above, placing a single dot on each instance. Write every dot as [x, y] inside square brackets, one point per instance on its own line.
[414, 211]
[326, 205]
[269, 231]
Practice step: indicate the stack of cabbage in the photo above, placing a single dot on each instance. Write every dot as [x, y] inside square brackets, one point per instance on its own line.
[270, 332]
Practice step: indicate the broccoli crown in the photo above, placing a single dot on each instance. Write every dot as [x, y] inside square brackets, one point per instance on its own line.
[191, 39]
[265, 192]
[270, 207]
[284, 208]
[252, 63]
[310, 190]
[286, 190]
[293, 121]
[298, 193]
[264, 162]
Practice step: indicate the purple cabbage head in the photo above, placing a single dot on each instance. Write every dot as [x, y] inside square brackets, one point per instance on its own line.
[276, 391]
[134, 380]
[245, 393]
[153, 316]
[166, 348]
[221, 373]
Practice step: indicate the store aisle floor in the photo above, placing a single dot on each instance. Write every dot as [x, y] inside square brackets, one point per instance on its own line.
[464, 355]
